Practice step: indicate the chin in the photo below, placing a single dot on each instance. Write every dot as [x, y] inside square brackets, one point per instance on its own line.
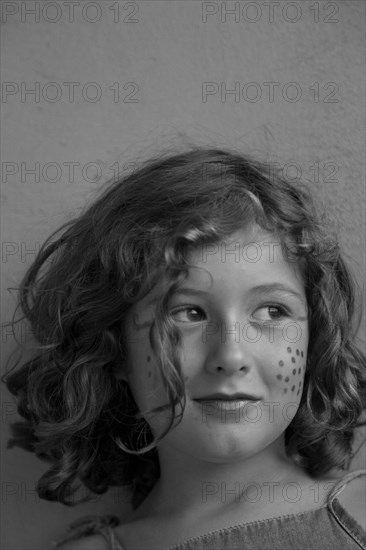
[229, 448]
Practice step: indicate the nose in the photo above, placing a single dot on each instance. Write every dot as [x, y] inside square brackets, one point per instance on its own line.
[228, 353]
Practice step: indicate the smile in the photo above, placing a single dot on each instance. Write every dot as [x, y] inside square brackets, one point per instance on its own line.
[216, 405]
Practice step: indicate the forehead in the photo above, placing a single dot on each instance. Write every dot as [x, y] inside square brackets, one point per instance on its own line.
[248, 244]
[247, 258]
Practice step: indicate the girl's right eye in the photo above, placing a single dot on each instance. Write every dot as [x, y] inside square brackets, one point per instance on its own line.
[188, 314]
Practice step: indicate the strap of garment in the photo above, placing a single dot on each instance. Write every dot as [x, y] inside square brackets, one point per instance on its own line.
[92, 525]
[110, 537]
[338, 488]
[347, 522]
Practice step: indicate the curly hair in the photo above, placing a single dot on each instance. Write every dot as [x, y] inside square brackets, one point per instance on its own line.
[77, 294]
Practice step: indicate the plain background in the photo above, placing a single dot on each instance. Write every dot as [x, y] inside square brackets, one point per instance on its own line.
[118, 81]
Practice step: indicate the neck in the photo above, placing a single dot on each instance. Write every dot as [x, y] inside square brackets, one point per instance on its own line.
[200, 483]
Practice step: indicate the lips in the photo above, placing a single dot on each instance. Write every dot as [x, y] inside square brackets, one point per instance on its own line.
[228, 397]
[219, 405]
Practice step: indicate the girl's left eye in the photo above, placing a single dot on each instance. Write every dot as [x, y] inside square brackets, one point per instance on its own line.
[275, 312]
[188, 314]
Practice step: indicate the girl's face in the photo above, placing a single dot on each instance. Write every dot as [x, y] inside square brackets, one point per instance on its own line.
[242, 314]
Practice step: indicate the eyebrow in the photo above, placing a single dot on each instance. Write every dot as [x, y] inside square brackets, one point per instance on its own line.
[191, 291]
[276, 286]
[259, 289]
[184, 291]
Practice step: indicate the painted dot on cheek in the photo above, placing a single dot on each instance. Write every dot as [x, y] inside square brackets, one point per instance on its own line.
[293, 360]
[287, 379]
[285, 390]
[289, 350]
[281, 363]
[148, 358]
[298, 391]
[293, 388]
[297, 352]
[302, 354]
[279, 376]
[294, 371]
[299, 371]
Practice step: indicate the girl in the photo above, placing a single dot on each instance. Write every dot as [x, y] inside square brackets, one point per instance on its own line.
[196, 346]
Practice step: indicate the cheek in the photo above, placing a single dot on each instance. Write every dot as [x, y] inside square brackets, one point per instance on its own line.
[290, 369]
[144, 378]
[142, 369]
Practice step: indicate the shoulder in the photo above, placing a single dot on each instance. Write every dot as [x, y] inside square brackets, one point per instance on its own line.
[93, 542]
[89, 533]
[353, 499]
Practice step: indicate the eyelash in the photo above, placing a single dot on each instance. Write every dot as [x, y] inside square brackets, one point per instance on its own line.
[281, 309]
[186, 308]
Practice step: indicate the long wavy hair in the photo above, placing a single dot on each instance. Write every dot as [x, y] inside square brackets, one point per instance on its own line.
[77, 293]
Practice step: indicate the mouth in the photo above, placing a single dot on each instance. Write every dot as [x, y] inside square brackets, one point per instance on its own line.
[220, 402]
[228, 397]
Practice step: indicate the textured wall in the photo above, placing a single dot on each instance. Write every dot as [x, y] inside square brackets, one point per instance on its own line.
[161, 70]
